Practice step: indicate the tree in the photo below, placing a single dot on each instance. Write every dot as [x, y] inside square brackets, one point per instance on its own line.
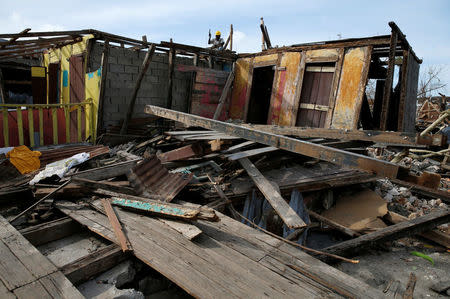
[430, 82]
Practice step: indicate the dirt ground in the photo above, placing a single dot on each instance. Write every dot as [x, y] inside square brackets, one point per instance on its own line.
[393, 266]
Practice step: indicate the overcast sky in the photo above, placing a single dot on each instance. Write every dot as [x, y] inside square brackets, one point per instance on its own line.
[425, 23]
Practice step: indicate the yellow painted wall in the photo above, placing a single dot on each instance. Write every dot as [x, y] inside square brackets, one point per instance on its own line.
[92, 80]
[62, 56]
[291, 61]
[351, 88]
[240, 85]
[265, 58]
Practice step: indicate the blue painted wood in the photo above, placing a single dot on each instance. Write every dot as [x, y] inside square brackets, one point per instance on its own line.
[155, 207]
[298, 205]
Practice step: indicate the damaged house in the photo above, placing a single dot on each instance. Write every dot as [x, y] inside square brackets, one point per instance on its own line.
[166, 169]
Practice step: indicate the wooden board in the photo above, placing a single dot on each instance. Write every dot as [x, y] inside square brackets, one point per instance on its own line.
[393, 232]
[221, 262]
[25, 272]
[273, 196]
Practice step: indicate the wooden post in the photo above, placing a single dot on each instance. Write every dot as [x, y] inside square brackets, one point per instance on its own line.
[170, 79]
[101, 98]
[2, 89]
[263, 42]
[195, 60]
[231, 37]
[224, 95]
[145, 64]
[403, 81]
[388, 82]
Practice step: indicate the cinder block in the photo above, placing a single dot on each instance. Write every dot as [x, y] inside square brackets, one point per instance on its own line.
[131, 69]
[115, 68]
[125, 60]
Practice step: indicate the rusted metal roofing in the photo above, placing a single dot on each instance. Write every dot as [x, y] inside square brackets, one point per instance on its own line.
[150, 178]
[52, 155]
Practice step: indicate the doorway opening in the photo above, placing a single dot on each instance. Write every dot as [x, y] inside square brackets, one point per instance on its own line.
[260, 94]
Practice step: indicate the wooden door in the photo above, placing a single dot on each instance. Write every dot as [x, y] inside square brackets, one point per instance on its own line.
[315, 96]
[77, 95]
[77, 92]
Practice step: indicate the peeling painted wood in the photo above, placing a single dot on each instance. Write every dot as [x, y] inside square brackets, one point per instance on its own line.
[351, 88]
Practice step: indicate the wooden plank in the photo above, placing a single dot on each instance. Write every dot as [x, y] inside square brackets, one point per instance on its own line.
[20, 125]
[289, 216]
[5, 127]
[340, 157]
[79, 123]
[158, 208]
[171, 64]
[41, 127]
[137, 86]
[257, 245]
[425, 191]
[95, 263]
[224, 95]
[118, 231]
[388, 83]
[400, 138]
[59, 286]
[251, 153]
[55, 126]
[12, 272]
[189, 231]
[67, 121]
[31, 126]
[32, 290]
[335, 225]
[101, 97]
[50, 231]
[238, 147]
[390, 233]
[22, 267]
[198, 267]
[106, 172]
[434, 235]
[105, 185]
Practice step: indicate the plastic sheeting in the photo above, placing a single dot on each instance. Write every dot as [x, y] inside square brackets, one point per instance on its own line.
[59, 168]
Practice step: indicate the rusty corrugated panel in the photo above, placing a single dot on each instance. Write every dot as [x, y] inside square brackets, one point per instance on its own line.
[150, 177]
[52, 155]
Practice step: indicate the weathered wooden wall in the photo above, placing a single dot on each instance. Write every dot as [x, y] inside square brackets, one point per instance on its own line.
[206, 89]
[347, 90]
[351, 88]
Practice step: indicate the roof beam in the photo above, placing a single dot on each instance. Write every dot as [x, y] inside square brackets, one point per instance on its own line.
[336, 156]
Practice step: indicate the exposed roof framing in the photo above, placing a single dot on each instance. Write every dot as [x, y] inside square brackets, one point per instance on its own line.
[380, 45]
[32, 43]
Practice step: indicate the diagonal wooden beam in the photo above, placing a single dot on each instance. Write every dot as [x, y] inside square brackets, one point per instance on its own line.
[13, 39]
[333, 155]
[273, 196]
[392, 232]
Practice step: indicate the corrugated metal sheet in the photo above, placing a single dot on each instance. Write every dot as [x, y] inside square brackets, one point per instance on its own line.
[52, 155]
[151, 178]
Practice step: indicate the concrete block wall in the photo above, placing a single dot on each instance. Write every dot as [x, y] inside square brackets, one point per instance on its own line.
[123, 69]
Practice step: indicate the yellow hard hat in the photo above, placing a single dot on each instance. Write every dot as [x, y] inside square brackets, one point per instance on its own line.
[217, 32]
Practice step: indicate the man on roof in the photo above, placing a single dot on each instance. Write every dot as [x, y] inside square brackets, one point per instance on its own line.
[217, 42]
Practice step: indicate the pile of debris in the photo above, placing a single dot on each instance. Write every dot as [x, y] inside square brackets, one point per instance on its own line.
[187, 178]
